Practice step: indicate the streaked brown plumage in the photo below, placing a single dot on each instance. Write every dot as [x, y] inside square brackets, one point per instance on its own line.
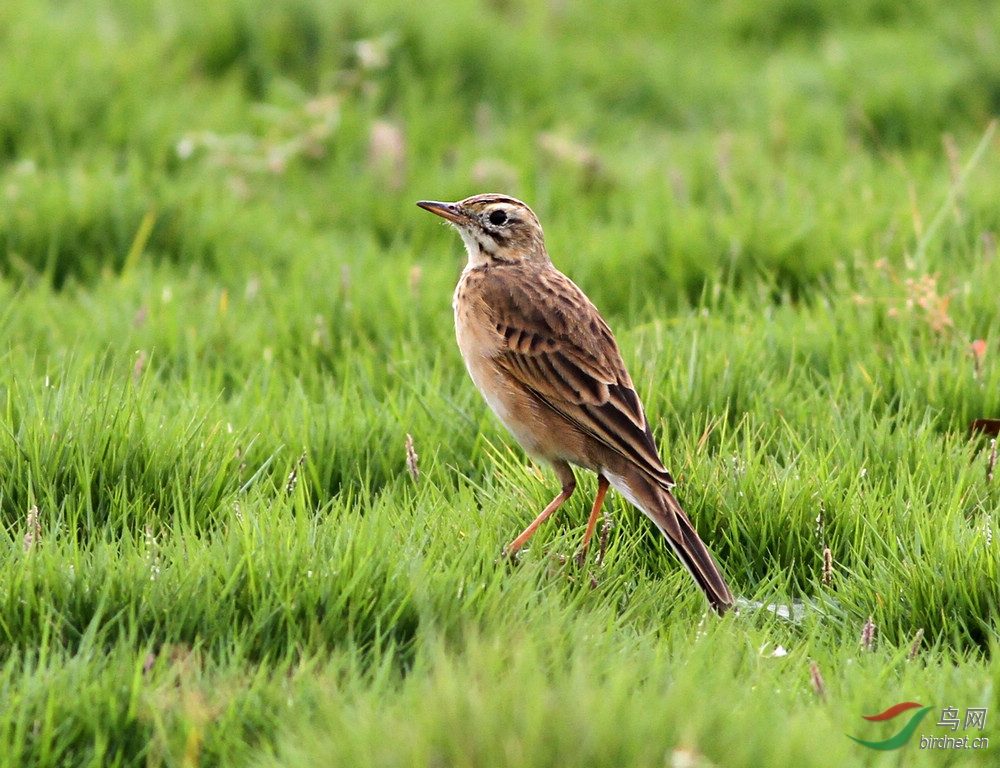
[549, 367]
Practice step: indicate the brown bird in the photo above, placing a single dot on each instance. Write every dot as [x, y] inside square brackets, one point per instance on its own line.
[549, 367]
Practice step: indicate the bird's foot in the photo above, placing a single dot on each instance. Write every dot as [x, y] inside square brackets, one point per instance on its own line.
[510, 558]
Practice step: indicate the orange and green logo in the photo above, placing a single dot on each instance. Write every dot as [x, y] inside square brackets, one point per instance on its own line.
[905, 732]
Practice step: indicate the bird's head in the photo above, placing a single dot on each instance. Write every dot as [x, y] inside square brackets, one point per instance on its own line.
[496, 229]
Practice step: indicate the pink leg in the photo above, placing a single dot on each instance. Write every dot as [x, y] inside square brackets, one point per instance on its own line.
[602, 489]
[569, 485]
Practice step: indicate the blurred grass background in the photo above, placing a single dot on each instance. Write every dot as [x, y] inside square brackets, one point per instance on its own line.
[221, 315]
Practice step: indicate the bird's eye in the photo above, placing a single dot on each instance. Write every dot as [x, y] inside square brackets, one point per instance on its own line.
[498, 217]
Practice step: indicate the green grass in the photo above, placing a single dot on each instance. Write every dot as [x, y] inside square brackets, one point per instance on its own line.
[213, 277]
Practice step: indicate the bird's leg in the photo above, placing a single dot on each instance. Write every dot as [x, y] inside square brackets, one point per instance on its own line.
[602, 489]
[568, 486]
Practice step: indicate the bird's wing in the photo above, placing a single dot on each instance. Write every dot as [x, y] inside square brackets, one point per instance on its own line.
[557, 345]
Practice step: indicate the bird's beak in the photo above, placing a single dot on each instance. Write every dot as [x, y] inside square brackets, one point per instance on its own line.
[450, 211]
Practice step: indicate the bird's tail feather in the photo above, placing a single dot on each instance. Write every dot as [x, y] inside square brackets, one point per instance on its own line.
[660, 506]
[691, 550]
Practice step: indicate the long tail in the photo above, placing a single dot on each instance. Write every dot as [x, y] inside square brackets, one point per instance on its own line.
[683, 538]
[660, 506]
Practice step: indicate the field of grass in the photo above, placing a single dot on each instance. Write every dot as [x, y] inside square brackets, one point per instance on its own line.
[221, 316]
